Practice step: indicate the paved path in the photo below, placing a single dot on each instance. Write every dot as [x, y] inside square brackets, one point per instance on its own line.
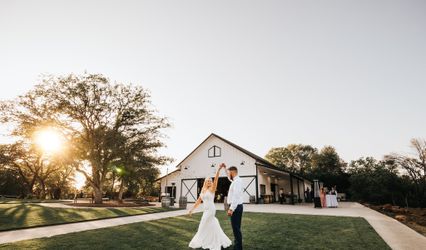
[49, 231]
[396, 235]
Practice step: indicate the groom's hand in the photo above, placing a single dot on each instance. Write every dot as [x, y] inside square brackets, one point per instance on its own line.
[222, 165]
[230, 212]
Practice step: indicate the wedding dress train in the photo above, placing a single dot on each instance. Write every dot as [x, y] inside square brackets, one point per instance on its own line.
[209, 235]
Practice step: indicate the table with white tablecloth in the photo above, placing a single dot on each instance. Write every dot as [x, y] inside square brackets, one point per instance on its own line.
[331, 200]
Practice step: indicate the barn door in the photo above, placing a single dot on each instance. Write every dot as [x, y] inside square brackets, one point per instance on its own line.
[189, 189]
[249, 184]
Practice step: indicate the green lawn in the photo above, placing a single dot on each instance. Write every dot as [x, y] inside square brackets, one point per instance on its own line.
[260, 231]
[14, 216]
[22, 201]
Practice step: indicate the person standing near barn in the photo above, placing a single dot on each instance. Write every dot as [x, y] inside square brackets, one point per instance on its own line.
[322, 197]
[235, 201]
[281, 194]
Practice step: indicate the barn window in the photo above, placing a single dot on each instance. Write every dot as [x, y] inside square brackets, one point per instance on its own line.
[215, 151]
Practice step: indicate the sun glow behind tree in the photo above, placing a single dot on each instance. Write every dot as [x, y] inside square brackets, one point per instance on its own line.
[79, 180]
[87, 120]
[49, 140]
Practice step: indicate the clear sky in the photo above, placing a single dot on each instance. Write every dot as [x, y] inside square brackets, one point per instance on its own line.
[351, 74]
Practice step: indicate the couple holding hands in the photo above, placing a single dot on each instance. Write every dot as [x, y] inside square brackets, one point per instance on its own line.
[210, 234]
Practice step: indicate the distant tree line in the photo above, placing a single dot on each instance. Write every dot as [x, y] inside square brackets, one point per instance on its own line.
[395, 179]
[111, 135]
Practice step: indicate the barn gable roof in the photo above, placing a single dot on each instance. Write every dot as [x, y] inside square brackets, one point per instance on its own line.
[259, 160]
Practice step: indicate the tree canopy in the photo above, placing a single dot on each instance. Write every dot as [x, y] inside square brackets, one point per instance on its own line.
[103, 123]
[294, 157]
[396, 179]
[308, 161]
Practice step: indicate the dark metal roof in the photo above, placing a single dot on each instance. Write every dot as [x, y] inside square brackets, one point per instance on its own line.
[167, 174]
[260, 161]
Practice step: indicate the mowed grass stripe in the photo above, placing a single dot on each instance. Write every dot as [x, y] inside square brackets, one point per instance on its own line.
[260, 231]
[19, 216]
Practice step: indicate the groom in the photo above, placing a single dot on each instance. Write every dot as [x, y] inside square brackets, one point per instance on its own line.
[235, 201]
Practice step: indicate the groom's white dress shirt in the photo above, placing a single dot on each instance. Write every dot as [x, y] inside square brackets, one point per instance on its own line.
[235, 193]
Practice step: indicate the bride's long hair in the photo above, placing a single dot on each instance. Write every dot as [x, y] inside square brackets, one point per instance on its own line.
[205, 184]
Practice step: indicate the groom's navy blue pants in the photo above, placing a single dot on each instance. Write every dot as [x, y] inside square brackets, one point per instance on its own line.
[236, 227]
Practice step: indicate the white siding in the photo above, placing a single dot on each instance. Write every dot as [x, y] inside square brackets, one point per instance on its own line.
[172, 178]
[199, 165]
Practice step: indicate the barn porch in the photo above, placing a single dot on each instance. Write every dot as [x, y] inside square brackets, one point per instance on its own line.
[272, 180]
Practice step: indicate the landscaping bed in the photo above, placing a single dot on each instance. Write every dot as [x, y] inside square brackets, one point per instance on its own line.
[415, 218]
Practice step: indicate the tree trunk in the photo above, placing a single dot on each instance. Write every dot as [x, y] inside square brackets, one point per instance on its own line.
[112, 186]
[120, 192]
[43, 190]
[97, 183]
[97, 195]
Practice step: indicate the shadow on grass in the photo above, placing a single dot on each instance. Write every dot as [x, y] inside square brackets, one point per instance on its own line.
[15, 216]
[23, 216]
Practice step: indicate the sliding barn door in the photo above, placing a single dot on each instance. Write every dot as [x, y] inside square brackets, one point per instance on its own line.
[249, 185]
[189, 189]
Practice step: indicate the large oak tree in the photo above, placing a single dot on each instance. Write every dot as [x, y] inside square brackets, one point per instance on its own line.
[295, 157]
[104, 122]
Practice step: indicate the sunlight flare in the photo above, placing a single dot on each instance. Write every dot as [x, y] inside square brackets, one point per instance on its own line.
[79, 180]
[49, 140]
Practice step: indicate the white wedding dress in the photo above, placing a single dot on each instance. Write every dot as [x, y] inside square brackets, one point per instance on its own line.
[209, 235]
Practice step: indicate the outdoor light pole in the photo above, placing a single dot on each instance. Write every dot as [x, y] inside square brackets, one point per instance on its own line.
[167, 173]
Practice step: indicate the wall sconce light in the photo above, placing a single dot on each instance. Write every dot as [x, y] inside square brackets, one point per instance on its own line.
[213, 165]
[186, 168]
[242, 163]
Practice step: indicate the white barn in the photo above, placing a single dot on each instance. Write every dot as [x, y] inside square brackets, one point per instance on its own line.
[262, 180]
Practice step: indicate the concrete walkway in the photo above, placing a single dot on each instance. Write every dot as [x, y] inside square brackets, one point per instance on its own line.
[49, 231]
[395, 234]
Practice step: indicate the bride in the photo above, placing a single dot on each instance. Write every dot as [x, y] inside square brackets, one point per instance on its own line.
[209, 235]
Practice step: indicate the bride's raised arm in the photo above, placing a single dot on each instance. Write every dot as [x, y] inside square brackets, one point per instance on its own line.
[216, 178]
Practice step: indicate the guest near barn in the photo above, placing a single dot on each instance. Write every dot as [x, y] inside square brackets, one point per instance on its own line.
[262, 181]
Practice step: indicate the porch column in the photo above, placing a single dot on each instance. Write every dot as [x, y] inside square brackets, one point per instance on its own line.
[291, 188]
[298, 190]
[304, 190]
[159, 194]
[257, 186]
